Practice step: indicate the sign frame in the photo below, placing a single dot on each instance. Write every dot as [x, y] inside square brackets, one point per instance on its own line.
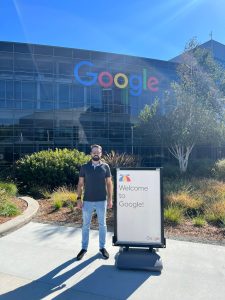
[116, 242]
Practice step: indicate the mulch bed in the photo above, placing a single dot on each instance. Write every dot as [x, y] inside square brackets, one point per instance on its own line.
[21, 204]
[185, 231]
[65, 216]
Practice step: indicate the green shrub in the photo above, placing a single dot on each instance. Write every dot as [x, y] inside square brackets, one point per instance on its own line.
[210, 190]
[199, 221]
[46, 193]
[116, 160]
[36, 191]
[4, 196]
[176, 186]
[10, 188]
[9, 209]
[64, 197]
[57, 204]
[50, 169]
[200, 168]
[215, 213]
[219, 169]
[203, 198]
[173, 215]
[191, 205]
[7, 173]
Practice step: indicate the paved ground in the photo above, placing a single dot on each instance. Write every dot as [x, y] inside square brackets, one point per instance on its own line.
[38, 262]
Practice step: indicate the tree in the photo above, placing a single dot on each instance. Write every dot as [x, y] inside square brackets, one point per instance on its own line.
[194, 112]
[151, 117]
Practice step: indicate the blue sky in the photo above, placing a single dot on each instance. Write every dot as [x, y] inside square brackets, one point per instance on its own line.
[150, 28]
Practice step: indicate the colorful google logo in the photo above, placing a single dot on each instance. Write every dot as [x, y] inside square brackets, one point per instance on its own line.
[125, 178]
[136, 82]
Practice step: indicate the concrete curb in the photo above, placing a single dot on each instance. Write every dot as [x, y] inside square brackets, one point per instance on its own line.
[25, 217]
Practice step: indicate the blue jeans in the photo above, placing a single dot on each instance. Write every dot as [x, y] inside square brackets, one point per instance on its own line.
[87, 210]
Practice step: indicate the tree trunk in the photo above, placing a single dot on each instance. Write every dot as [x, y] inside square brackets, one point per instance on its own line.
[181, 153]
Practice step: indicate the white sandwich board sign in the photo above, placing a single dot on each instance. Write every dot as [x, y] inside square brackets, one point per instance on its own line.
[138, 217]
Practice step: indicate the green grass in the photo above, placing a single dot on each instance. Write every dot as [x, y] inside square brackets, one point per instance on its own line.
[173, 215]
[57, 204]
[10, 188]
[8, 209]
[64, 197]
[204, 197]
[215, 213]
[199, 221]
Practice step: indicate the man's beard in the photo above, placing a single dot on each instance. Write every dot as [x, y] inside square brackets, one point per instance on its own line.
[96, 158]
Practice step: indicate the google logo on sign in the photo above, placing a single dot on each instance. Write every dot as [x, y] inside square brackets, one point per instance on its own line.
[105, 79]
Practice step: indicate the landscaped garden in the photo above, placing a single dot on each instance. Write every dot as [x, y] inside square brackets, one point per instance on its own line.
[194, 205]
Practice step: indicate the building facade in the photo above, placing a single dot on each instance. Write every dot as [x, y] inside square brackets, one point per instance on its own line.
[54, 97]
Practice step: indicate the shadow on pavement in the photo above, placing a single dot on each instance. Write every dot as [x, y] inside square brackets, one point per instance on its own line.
[47, 284]
[106, 282]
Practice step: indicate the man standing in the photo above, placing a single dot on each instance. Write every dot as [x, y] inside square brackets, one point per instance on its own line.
[95, 178]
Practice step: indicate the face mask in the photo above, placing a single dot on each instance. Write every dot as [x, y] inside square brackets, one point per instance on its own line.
[96, 158]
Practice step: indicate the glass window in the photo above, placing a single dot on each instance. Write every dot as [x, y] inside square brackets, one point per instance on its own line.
[17, 104]
[5, 122]
[29, 90]
[23, 62]
[64, 105]
[17, 90]
[2, 104]
[10, 104]
[65, 52]
[23, 48]
[94, 97]
[26, 122]
[5, 133]
[6, 61]
[39, 120]
[46, 91]
[44, 66]
[9, 89]
[46, 105]
[64, 92]
[98, 55]
[28, 105]
[84, 54]
[116, 58]
[66, 68]
[4, 46]
[45, 50]
[2, 89]
[77, 94]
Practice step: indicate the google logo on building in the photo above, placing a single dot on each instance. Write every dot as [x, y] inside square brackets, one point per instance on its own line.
[136, 82]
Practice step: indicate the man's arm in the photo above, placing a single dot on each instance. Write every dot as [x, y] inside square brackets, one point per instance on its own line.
[80, 187]
[109, 191]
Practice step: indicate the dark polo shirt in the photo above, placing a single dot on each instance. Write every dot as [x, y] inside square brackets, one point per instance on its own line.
[94, 181]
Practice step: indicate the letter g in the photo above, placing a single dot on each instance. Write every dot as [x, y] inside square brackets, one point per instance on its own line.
[92, 75]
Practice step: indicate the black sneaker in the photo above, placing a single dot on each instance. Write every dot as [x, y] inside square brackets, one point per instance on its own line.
[104, 253]
[80, 255]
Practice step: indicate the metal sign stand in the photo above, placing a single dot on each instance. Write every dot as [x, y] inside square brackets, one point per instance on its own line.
[133, 256]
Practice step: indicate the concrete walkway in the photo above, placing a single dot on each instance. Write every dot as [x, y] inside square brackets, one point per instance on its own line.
[38, 262]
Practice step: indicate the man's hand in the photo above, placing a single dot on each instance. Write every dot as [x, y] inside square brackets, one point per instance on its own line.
[79, 204]
[109, 203]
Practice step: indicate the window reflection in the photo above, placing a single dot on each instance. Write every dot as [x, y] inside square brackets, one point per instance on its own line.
[42, 106]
